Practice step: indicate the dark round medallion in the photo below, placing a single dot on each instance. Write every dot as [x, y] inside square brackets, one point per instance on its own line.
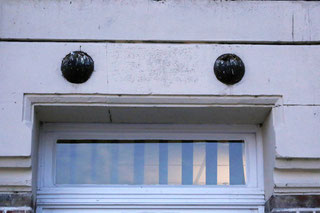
[77, 67]
[229, 68]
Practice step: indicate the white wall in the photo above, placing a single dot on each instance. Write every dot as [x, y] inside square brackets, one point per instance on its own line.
[202, 20]
[290, 71]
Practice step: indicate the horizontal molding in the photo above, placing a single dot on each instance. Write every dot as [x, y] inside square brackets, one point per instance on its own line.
[234, 42]
[147, 202]
[22, 183]
[222, 192]
[162, 20]
[298, 163]
[153, 208]
[297, 188]
[298, 185]
[296, 180]
[14, 189]
[154, 99]
[17, 177]
[15, 162]
[183, 200]
[184, 196]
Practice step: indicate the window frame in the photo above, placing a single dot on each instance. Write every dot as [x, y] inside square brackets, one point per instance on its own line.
[49, 193]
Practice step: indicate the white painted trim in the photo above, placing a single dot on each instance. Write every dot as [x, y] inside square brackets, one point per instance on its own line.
[152, 209]
[212, 197]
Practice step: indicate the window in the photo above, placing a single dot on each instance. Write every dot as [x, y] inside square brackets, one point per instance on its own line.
[150, 162]
[102, 166]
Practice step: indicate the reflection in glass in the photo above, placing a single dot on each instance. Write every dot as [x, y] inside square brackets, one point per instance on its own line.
[150, 162]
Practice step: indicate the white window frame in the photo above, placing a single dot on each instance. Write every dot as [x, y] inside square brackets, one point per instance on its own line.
[235, 197]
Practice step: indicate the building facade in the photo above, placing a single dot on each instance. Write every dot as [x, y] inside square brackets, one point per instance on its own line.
[159, 106]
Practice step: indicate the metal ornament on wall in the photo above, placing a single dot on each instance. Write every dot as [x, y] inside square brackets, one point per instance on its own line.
[229, 69]
[77, 67]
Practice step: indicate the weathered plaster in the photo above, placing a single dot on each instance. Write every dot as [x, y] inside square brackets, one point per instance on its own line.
[204, 20]
[150, 48]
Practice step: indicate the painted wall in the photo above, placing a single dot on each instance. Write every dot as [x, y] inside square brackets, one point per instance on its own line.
[167, 47]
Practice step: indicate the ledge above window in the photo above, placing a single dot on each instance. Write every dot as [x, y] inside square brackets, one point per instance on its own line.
[186, 109]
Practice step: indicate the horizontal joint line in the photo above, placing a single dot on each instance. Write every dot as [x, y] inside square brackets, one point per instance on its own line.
[160, 41]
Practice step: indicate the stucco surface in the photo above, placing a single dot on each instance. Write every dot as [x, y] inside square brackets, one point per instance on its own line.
[289, 71]
[166, 47]
[203, 20]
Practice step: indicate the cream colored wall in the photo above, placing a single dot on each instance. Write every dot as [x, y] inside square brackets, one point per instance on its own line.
[278, 42]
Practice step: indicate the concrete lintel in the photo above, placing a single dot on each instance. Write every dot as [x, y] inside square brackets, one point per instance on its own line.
[108, 108]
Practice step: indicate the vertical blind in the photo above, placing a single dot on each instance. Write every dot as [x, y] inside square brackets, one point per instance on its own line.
[150, 162]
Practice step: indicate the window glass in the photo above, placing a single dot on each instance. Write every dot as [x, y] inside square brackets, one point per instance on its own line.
[150, 162]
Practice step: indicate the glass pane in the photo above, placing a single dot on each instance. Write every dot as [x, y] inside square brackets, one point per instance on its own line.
[150, 162]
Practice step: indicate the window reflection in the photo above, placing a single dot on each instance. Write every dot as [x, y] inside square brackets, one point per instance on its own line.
[150, 162]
